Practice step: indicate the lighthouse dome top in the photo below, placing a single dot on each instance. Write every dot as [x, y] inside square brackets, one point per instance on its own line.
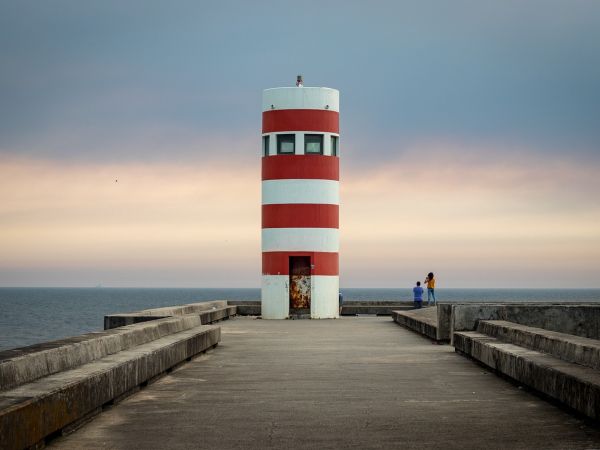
[301, 98]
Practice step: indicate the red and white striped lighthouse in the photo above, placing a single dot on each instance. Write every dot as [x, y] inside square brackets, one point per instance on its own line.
[300, 202]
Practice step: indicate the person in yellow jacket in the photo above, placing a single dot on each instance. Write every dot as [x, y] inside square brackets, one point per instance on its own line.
[430, 282]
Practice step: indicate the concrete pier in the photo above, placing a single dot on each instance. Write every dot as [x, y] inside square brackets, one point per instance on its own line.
[347, 383]
[49, 389]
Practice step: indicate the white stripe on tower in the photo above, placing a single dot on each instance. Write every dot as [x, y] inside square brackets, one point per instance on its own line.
[301, 239]
[300, 191]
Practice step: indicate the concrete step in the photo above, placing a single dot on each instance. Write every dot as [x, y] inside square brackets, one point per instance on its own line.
[579, 319]
[209, 312]
[31, 412]
[574, 385]
[575, 349]
[23, 365]
[379, 309]
[217, 314]
[246, 307]
[423, 321]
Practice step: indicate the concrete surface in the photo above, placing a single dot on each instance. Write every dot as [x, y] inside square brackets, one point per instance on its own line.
[444, 314]
[378, 303]
[206, 310]
[246, 307]
[570, 348]
[217, 314]
[23, 365]
[31, 412]
[379, 308]
[574, 385]
[423, 321]
[349, 308]
[578, 319]
[347, 383]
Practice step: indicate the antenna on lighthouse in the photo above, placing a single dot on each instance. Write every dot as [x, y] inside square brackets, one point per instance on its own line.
[299, 81]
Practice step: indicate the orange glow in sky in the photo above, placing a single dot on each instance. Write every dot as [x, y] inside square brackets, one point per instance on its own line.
[477, 223]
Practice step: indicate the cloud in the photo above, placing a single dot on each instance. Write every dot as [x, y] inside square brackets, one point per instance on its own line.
[127, 217]
[84, 79]
[509, 220]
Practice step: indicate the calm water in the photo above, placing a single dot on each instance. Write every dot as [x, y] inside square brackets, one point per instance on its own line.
[32, 315]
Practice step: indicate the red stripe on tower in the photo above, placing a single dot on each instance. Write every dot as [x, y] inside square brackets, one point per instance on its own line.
[301, 120]
[281, 167]
[277, 263]
[300, 216]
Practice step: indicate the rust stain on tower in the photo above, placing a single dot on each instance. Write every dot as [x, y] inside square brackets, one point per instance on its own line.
[300, 283]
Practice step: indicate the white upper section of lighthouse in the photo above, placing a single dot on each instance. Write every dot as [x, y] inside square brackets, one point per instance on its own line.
[301, 98]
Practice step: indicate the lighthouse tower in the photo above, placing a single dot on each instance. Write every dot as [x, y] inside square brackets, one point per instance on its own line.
[300, 202]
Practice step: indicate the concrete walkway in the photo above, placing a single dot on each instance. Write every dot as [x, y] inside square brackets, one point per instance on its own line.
[348, 383]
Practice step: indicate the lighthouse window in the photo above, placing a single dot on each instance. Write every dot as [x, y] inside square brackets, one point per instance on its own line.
[334, 145]
[266, 145]
[286, 143]
[313, 144]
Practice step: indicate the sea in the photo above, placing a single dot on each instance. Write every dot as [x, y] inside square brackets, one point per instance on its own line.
[32, 315]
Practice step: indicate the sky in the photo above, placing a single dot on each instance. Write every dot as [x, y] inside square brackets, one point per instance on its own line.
[470, 139]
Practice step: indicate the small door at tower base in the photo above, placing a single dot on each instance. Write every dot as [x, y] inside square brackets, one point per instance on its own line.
[299, 284]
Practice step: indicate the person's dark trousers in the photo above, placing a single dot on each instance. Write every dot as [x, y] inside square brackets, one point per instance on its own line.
[418, 304]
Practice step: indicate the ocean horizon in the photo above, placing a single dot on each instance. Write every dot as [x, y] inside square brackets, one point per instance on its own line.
[41, 314]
